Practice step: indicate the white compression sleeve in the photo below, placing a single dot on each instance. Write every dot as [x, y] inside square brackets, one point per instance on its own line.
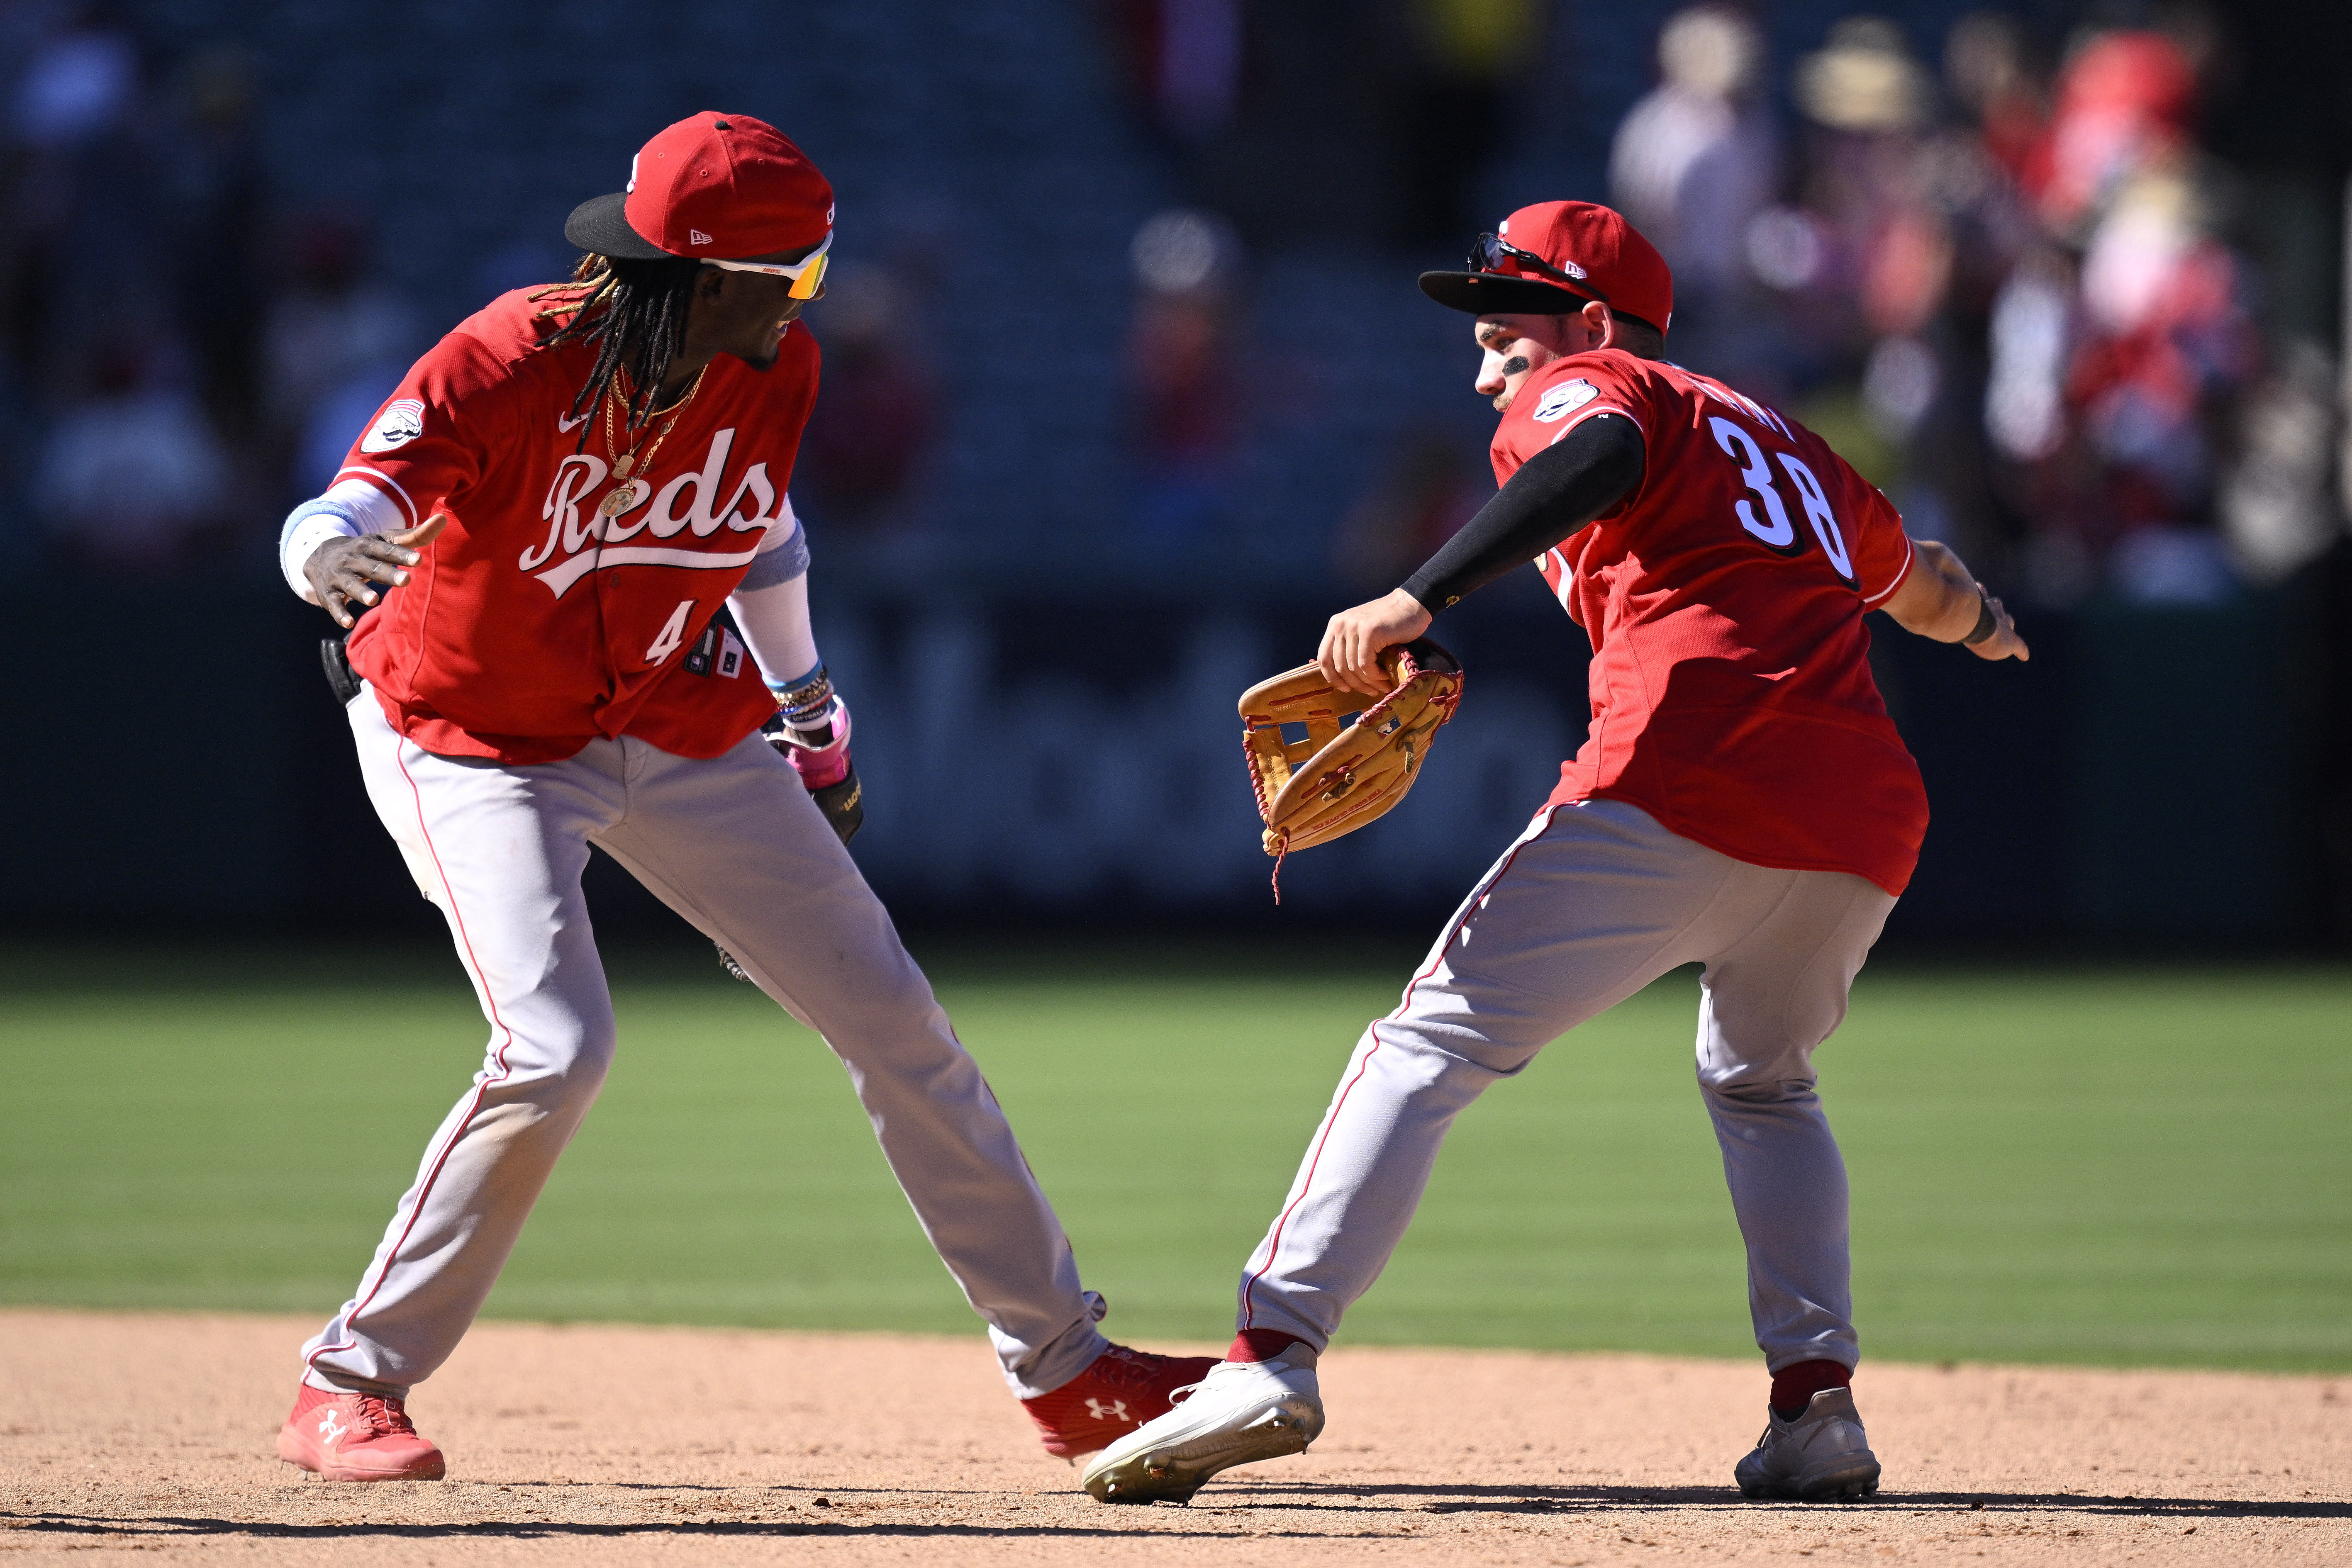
[774, 622]
[346, 510]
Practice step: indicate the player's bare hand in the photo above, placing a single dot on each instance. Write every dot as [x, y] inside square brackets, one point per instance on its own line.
[1355, 639]
[2004, 643]
[344, 572]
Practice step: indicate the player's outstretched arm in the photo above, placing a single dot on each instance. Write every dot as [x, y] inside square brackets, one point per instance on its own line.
[1586, 472]
[1942, 600]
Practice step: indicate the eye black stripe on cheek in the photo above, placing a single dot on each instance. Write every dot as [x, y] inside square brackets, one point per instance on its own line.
[1514, 365]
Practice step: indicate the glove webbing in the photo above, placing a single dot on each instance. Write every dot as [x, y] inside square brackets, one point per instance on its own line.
[1369, 719]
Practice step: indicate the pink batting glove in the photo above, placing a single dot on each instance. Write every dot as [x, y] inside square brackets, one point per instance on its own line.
[820, 766]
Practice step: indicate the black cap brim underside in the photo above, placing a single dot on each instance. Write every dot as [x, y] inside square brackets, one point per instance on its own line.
[1499, 294]
[601, 225]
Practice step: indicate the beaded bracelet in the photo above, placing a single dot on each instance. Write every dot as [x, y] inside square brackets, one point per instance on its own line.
[804, 703]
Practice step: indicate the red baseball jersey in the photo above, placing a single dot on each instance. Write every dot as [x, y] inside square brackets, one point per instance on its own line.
[535, 623]
[1730, 682]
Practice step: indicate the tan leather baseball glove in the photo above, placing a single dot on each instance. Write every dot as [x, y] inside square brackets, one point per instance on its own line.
[1337, 779]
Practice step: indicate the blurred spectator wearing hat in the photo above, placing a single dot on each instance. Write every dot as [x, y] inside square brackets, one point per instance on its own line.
[1695, 161]
[1870, 101]
[1864, 263]
[1887, 265]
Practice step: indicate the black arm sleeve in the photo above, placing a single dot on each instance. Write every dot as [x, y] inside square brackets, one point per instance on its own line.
[1555, 492]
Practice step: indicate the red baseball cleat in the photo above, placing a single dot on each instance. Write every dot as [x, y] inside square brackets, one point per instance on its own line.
[1118, 1391]
[357, 1438]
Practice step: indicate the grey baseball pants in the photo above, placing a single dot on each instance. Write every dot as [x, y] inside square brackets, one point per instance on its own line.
[735, 845]
[1593, 902]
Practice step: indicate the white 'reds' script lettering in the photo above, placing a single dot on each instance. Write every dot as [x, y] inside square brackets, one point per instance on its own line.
[704, 518]
[573, 524]
[575, 476]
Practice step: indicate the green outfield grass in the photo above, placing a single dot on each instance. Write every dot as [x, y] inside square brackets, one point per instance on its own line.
[2143, 1166]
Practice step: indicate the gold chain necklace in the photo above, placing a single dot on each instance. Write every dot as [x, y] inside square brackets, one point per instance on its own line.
[627, 463]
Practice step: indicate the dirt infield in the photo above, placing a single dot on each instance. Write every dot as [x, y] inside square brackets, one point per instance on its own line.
[595, 1446]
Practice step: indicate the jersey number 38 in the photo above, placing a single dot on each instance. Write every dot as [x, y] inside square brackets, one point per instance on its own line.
[1775, 530]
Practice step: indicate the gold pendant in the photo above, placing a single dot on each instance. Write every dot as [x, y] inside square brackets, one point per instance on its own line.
[623, 463]
[618, 502]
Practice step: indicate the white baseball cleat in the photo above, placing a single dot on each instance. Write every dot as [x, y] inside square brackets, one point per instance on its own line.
[1819, 1457]
[1243, 1411]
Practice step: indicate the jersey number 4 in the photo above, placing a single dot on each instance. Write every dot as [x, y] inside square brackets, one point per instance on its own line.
[672, 636]
[1774, 530]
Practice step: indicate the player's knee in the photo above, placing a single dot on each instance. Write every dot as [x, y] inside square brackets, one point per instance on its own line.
[569, 1060]
[592, 1057]
[1746, 1059]
[1435, 1055]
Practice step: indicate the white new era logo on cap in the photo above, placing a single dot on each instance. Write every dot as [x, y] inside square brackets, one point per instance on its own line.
[696, 236]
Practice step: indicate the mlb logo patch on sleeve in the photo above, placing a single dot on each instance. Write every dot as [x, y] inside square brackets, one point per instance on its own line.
[398, 425]
[1564, 400]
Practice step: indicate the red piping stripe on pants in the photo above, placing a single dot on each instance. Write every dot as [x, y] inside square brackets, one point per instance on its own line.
[424, 1189]
[1315, 1159]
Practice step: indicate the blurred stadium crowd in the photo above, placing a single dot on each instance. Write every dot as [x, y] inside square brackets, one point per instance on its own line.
[2002, 272]
[2009, 294]
[1123, 310]
[187, 353]
[1996, 266]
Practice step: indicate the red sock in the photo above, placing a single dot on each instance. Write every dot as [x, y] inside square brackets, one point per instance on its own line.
[1260, 1344]
[1795, 1387]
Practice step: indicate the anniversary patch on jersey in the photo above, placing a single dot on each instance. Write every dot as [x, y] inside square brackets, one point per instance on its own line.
[1564, 400]
[398, 425]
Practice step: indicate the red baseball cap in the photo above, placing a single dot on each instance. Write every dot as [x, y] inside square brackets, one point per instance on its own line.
[1551, 258]
[716, 187]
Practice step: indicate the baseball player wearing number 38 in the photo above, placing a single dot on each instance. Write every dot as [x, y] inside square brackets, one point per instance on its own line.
[552, 508]
[1742, 802]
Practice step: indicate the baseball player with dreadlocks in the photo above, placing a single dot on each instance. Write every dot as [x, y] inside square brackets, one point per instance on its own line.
[1742, 802]
[551, 510]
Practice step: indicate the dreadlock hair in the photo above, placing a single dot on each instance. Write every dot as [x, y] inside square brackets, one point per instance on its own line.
[633, 312]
